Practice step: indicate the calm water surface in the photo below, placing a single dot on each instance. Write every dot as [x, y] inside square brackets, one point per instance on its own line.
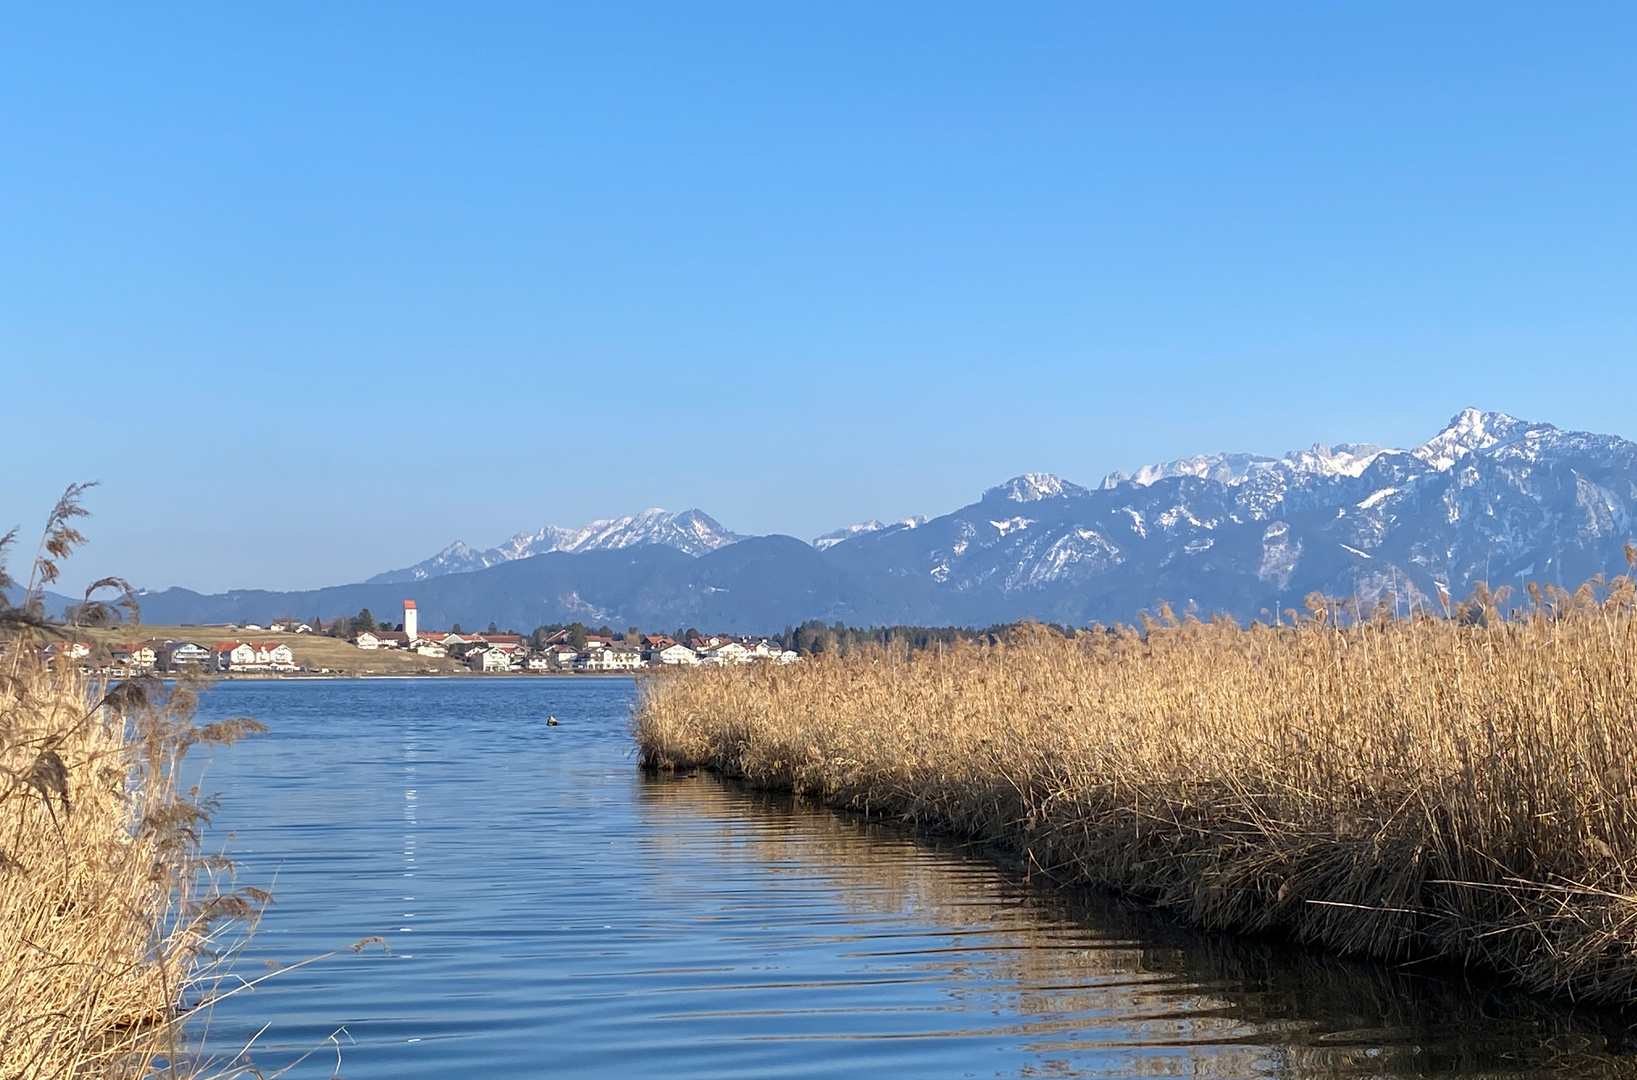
[550, 911]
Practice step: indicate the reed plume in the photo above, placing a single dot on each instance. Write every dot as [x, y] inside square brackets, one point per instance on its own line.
[108, 906]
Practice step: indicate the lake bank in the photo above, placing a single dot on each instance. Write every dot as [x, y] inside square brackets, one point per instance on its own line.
[554, 911]
[1400, 789]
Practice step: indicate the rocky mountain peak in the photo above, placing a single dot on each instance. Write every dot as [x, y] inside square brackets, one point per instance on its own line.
[1469, 431]
[1033, 487]
[692, 532]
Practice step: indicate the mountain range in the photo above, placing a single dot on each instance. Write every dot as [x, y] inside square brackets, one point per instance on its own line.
[692, 532]
[1490, 498]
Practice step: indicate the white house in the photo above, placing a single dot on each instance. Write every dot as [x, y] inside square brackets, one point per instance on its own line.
[179, 654]
[274, 655]
[489, 659]
[231, 655]
[366, 640]
[68, 650]
[609, 658]
[675, 654]
[254, 656]
[727, 652]
[140, 656]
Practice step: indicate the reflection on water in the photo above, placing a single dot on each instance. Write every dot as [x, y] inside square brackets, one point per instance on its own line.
[554, 912]
[1083, 974]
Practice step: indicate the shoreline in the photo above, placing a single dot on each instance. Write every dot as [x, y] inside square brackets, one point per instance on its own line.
[1418, 790]
[251, 676]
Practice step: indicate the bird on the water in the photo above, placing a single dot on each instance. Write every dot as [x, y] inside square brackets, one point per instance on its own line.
[551, 721]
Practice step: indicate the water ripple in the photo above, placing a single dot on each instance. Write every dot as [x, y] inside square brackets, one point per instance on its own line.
[552, 912]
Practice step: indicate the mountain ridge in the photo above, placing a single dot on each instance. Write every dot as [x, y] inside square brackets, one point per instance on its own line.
[692, 532]
[1489, 497]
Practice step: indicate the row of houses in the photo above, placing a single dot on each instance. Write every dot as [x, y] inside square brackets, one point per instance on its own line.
[605, 655]
[563, 651]
[162, 655]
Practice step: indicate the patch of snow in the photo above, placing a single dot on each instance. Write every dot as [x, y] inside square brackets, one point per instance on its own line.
[1169, 519]
[1467, 432]
[1223, 468]
[1080, 553]
[1032, 487]
[1232, 470]
[1012, 525]
[847, 532]
[1343, 459]
[1376, 497]
[1280, 554]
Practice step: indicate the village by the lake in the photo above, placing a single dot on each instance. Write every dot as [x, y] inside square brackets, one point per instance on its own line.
[287, 647]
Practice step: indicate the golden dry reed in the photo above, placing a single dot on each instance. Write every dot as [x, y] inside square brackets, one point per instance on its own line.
[106, 903]
[1462, 789]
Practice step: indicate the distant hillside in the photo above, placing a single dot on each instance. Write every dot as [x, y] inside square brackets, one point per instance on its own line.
[758, 584]
[55, 603]
[1489, 498]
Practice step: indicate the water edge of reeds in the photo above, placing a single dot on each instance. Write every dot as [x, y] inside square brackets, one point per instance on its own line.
[1457, 788]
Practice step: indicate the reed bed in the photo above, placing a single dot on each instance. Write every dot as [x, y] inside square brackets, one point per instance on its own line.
[106, 902]
[1455, 788]
[109, 908]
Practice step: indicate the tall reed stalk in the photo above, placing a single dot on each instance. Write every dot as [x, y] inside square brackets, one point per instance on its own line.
[107, 902]
[1462, 789]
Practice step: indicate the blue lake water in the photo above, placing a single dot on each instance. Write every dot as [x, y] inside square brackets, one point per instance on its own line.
[551, 911]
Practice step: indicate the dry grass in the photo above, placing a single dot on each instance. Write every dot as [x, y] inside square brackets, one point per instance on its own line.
[311, 651]
[106, 903]
[1461, 789]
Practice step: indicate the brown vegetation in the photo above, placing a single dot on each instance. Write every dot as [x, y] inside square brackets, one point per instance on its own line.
[1459, 788]
[107, 904]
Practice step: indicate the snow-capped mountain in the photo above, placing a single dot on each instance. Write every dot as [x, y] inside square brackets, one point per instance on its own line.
[691, 532]
[831, 539]
[1489, 498]
[1344, 459]
[1034, 486]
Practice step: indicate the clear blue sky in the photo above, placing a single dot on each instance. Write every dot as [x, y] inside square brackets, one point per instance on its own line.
[315, 289]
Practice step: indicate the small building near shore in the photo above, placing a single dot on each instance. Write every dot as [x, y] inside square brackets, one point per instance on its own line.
[673, 655]
[489, 659]
[254, 656]
[179, 655]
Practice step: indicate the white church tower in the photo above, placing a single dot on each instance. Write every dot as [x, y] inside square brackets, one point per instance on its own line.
[409, 620]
